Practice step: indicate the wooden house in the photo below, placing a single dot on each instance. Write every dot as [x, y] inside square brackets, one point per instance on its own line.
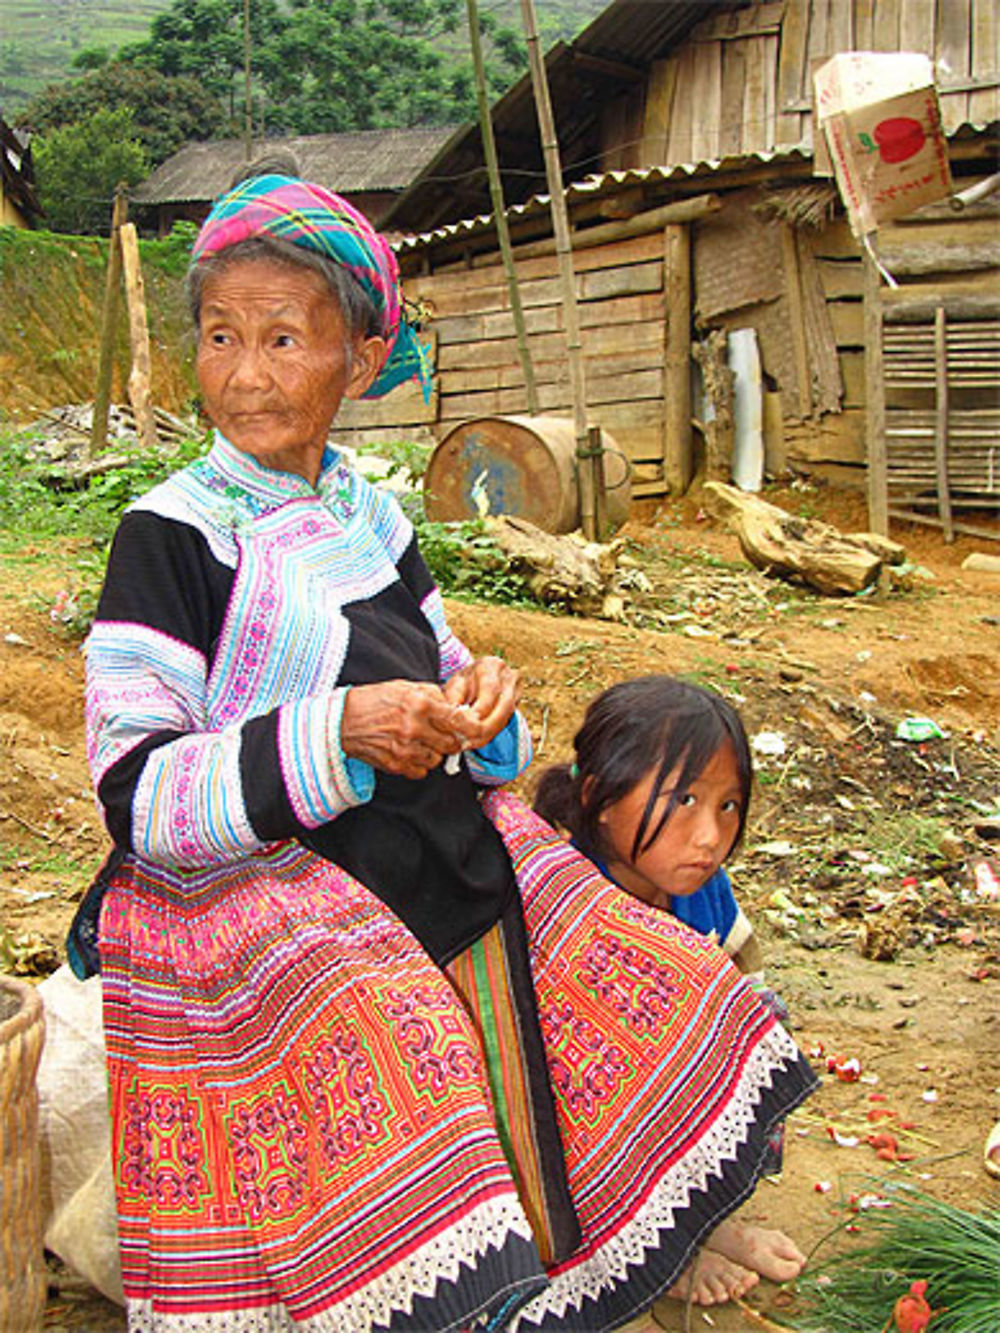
[19, 206]
[686, 135]
[371, 168]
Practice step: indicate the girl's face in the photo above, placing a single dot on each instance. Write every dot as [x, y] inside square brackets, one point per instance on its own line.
[693, 843]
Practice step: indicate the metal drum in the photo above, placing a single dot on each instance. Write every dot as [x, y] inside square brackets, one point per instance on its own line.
[522, 466]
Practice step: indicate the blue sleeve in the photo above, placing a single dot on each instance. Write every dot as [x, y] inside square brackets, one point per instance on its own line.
[712, 907]
[504, 757]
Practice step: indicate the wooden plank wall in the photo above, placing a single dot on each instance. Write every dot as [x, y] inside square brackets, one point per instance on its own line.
[742, 83]
[622, 309]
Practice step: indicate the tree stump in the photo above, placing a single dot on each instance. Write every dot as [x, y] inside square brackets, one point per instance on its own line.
[800, 549]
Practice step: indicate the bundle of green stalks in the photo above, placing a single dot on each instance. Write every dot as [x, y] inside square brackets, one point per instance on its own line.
[917, 1238]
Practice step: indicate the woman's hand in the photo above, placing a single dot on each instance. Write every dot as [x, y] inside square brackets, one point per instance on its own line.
[400, 726]
[487, 691]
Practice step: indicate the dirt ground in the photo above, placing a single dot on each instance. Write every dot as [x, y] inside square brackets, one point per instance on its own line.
[867, 867]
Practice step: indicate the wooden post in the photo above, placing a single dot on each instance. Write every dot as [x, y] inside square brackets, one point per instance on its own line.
[941, 422]
[586, 477]
[109, 326]
[499, 211]
[875, 447]
[139, 390]
[678, 454]
[796, 313]
[596, 451]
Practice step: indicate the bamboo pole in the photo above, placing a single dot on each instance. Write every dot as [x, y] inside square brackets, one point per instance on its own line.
[877, 469]
[941, 424]
[109, 327]
[139, 389]
[499, 211]
[247, 110]
[585, 454]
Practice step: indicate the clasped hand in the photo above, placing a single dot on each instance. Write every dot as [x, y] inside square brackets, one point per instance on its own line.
[408, 727]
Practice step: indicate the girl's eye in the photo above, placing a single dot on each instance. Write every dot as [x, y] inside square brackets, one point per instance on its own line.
[686, 798]
[731, 807]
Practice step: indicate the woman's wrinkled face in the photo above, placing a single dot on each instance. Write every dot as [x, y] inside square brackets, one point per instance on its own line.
[275, 360]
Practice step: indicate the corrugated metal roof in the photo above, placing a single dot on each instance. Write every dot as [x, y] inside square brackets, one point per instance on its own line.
[351, 163]
[605, 182]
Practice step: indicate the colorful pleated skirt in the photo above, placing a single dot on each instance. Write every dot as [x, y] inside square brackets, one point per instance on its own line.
[316, 1128]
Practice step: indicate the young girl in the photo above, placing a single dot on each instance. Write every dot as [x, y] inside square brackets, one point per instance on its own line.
[657, 797]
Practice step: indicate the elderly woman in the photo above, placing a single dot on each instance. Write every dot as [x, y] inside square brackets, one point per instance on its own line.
[384, 1052]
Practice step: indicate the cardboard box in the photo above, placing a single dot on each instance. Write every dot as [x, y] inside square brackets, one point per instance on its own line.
[879, 114]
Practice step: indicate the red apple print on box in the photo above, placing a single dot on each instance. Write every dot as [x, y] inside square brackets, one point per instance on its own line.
[899, 138]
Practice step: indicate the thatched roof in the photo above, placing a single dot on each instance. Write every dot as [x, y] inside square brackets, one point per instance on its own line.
[355, 163]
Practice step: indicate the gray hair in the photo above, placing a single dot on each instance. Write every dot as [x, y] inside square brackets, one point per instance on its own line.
[356, 306]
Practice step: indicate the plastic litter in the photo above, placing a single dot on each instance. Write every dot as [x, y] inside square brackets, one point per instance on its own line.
[919, 729]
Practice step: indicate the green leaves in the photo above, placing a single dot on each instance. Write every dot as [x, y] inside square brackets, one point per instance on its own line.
[79, 165]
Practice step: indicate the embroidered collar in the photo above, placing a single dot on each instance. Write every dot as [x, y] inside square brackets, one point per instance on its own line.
[260, 490]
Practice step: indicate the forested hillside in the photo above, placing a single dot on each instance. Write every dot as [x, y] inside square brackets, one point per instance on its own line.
[39, 39]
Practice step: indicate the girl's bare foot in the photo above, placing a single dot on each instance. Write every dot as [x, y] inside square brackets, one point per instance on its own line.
[711, 1279]
[772, 1254]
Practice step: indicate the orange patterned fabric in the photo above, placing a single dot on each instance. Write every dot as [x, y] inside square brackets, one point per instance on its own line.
[303, 1129]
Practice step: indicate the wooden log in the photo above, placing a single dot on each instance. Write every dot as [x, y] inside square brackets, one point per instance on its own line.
[652, 220]
[560, 569]
[961, 298]
[139, 386]
[801, 550]
[940, 247]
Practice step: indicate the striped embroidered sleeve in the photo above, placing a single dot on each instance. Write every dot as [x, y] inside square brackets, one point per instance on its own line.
[172, 789]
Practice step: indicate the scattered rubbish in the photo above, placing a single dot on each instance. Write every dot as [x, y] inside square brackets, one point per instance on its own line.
[919, 729]
[771, 744]
[848, 1070]
[986, 881]
[777, 847]
[842, 1140]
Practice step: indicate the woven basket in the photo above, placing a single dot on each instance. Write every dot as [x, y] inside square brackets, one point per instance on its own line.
[22, 1261]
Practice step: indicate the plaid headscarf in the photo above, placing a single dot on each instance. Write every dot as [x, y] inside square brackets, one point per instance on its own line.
[317, 219]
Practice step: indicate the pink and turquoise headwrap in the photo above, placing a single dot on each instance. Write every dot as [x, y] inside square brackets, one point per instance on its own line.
[317, 219]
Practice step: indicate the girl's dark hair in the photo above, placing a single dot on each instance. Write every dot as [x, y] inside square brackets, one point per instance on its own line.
[652, 722]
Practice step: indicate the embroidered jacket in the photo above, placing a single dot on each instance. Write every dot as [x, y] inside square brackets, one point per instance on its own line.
[240, 604]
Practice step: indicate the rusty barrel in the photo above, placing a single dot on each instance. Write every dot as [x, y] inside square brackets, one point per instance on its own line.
[22, 1261]
[522, 466]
